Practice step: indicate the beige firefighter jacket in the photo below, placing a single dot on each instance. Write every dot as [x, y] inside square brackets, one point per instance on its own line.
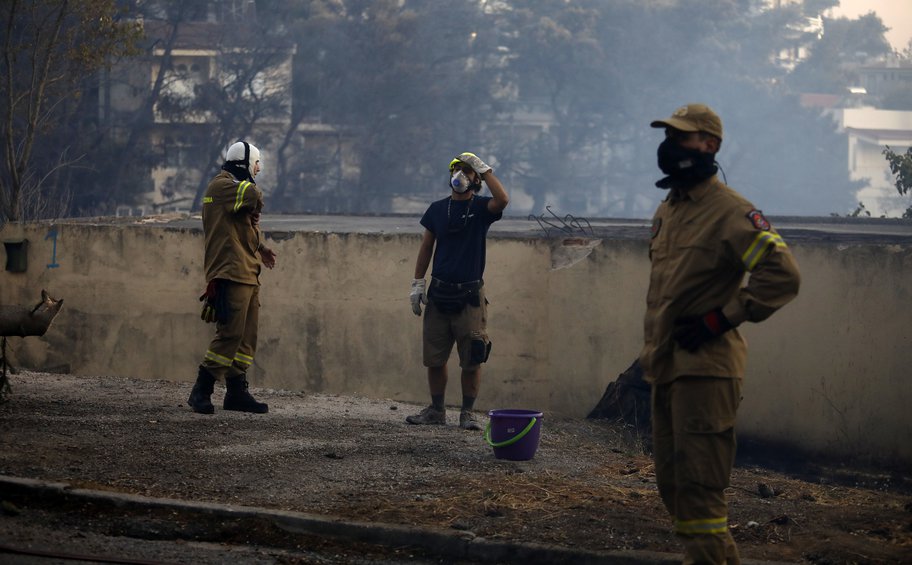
[703, 243]
[232, 239]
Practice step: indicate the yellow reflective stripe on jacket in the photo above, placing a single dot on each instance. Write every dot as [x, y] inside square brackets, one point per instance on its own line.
[243, 359]
[220, 359]
[708, 526]
[239, 198]
[207, 200]
[761, 243]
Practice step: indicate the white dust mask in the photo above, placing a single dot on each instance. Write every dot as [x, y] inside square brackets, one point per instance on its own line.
[460, 182]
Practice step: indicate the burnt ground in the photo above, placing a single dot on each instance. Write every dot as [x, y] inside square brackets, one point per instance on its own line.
[587, 487]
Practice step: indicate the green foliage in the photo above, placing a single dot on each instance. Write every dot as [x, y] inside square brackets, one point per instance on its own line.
[901, 167]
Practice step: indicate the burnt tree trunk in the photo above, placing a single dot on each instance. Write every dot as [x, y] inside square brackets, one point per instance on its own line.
[627, 402]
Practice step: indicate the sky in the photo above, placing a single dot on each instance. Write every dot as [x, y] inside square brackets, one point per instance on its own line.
[895, 14]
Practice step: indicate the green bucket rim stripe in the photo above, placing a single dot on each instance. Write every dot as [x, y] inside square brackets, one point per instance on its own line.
[512, 440]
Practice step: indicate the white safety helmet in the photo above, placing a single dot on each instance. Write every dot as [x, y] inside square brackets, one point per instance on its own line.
[243, 154]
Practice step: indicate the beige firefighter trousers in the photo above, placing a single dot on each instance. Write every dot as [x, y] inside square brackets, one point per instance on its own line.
[693, 427]
[232, 349]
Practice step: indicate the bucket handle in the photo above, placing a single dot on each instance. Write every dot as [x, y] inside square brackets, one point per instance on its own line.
[512, 440]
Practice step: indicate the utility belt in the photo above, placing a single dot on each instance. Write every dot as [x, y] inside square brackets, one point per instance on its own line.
[451, 298]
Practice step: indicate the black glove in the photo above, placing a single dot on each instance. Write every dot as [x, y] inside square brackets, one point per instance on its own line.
[215, 303]
[694, 331]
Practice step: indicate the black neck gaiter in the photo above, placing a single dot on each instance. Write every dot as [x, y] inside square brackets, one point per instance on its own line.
[685, 167]
[237, 169]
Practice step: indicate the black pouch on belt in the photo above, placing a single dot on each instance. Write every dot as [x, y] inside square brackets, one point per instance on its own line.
[479, 351]
[452, 298]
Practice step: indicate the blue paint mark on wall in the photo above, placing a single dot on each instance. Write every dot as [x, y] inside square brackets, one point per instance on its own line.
[53, 235]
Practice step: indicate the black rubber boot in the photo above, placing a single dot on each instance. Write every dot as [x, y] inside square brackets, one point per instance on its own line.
[237, 397]
[200, 399]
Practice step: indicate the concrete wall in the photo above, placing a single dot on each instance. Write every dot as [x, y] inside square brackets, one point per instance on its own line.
[830, 372]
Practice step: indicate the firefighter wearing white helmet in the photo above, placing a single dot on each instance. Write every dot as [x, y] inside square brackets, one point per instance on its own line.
[455, 234]
[234, 251]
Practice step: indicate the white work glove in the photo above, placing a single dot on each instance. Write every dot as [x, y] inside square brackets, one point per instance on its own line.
[418, 295]
[473, 161]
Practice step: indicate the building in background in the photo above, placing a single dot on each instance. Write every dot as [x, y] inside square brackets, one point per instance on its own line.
[869, 131]
[204, 82]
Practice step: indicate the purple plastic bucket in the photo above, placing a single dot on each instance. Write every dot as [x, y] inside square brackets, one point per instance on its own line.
[514, 434]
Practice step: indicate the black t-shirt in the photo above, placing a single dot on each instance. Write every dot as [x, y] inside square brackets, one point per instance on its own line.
[459, 255]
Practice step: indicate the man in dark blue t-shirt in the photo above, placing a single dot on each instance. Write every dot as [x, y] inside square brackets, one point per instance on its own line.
[455, 231]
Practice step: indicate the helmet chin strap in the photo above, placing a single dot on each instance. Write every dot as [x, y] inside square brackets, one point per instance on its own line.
[238, 168]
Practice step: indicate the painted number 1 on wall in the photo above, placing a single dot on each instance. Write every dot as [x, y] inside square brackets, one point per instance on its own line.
[53, 236]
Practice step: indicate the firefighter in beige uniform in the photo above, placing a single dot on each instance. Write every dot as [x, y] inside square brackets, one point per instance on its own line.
[705, 237]
[231, 212]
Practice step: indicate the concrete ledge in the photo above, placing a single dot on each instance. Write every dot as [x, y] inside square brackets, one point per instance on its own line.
[441, 543]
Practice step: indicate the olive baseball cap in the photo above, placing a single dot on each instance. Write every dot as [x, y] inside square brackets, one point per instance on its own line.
[693, 117]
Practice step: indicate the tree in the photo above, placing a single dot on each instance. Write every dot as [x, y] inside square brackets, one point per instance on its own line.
[238, 92]
[232, 102]
[385, 92]
[843, 40]
[906, 53]
[603, 77]
[314, 163]
[407, 83]
[50, 47]
[901, 167]
[817, 7]
[123, 137]
[897, 98]
[568, 86]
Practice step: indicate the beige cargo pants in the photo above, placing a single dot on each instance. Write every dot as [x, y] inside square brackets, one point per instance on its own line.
[232, 349]
[693, 427]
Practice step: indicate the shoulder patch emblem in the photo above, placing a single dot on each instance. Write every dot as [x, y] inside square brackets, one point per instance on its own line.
[756, 218]
[656, 226]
